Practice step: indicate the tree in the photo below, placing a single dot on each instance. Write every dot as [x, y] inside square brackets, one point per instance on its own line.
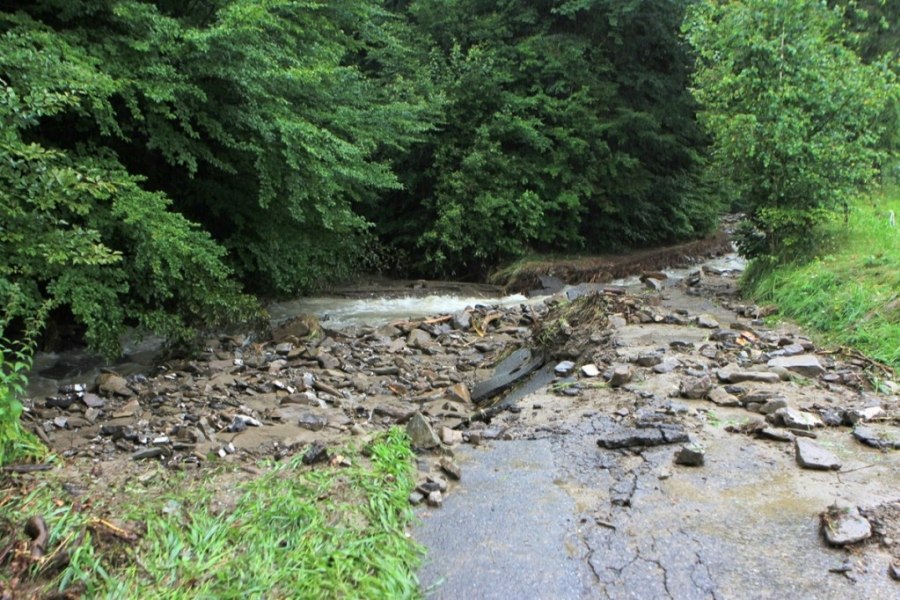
[793, 111]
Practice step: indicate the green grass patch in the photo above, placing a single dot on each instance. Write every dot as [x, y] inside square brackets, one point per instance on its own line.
[293, 532]
[850, 293]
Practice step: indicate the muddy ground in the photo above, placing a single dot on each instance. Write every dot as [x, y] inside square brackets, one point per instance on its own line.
[591, 502]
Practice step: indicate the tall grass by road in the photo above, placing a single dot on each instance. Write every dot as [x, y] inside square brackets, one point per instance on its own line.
[850, 292]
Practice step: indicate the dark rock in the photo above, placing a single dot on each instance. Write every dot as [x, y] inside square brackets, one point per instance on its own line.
[833, 417]
[695, 388]
[640, 437]
[312, 421]
[779, 435]
[805, 364]
[516, 366]
[151, 452]
[812, 456]
[62, 402]
[420, 433]
[842, 526]
[884, 437]
[690, 456]
[316, 453]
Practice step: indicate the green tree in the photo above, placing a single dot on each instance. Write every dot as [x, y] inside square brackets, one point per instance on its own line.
[794, 113]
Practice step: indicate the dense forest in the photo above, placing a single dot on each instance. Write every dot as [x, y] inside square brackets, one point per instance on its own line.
[164, 163]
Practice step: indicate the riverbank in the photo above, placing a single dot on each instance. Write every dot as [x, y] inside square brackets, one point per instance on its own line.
[850, 294]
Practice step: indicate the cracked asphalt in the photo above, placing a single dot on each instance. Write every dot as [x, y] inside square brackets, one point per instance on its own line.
[549, 514]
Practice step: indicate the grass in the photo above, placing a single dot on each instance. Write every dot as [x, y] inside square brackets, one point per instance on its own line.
[293, 532]
[850, 294]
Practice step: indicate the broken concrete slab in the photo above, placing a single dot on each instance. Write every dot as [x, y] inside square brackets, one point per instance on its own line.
[513, 368]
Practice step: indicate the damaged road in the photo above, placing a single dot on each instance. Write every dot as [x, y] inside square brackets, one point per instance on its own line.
[699, 466]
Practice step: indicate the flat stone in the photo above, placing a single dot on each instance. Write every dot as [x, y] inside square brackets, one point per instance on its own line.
[644, 436]
[420, 433]
[667, 366]
[150, 452]
[798, 419]
[729, 375]
[129, 410]
[450, 436]
[707, 322]
[649, 359]
[810, 455]
[842, 526]
[720, 397]
[772, 405]
[590, 370]
[804, 364]
[93, 400]
[792, 349]
[878, 436]
[416, 497]
[564, 368]
[690, 456]
[778, 435]
[864, 414]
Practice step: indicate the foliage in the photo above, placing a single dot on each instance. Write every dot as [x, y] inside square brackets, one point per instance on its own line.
[16, 444]
[294, 531]
[794, 113]
[564, 125]
[849, 293]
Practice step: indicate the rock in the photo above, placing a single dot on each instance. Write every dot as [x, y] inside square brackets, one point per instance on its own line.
[327, 361]
[667, 366]
[451, 469]
[804, 364]
[649, 359]
[863, 414]
[779, 435]
[842, 526]
[654, 284]
[93, 400]
[796, 419]
[316, 453]
[810, 455]
[883, 437]
[111, 384]
[792, 349]
[418, 338]
[284, 348]
[620, 375]
[616, 321]
[722, 398]
[241, 422]
[894, 571]
[695, 388]
[731, 375]
[298, 327]
[420, 433]
[590, 370]
[129, 410]
[312, 421]
[459, 392]
[644, 436]
[151, 452]
[690, 456]
[451, 437]
[514, 367]
[462, 320]
[707, 322]
[772, 405]
[416, 497]
[709, 351]
[435, 499]
[564, 368]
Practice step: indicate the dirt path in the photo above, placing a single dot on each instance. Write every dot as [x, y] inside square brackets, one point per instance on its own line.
[633, 524]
